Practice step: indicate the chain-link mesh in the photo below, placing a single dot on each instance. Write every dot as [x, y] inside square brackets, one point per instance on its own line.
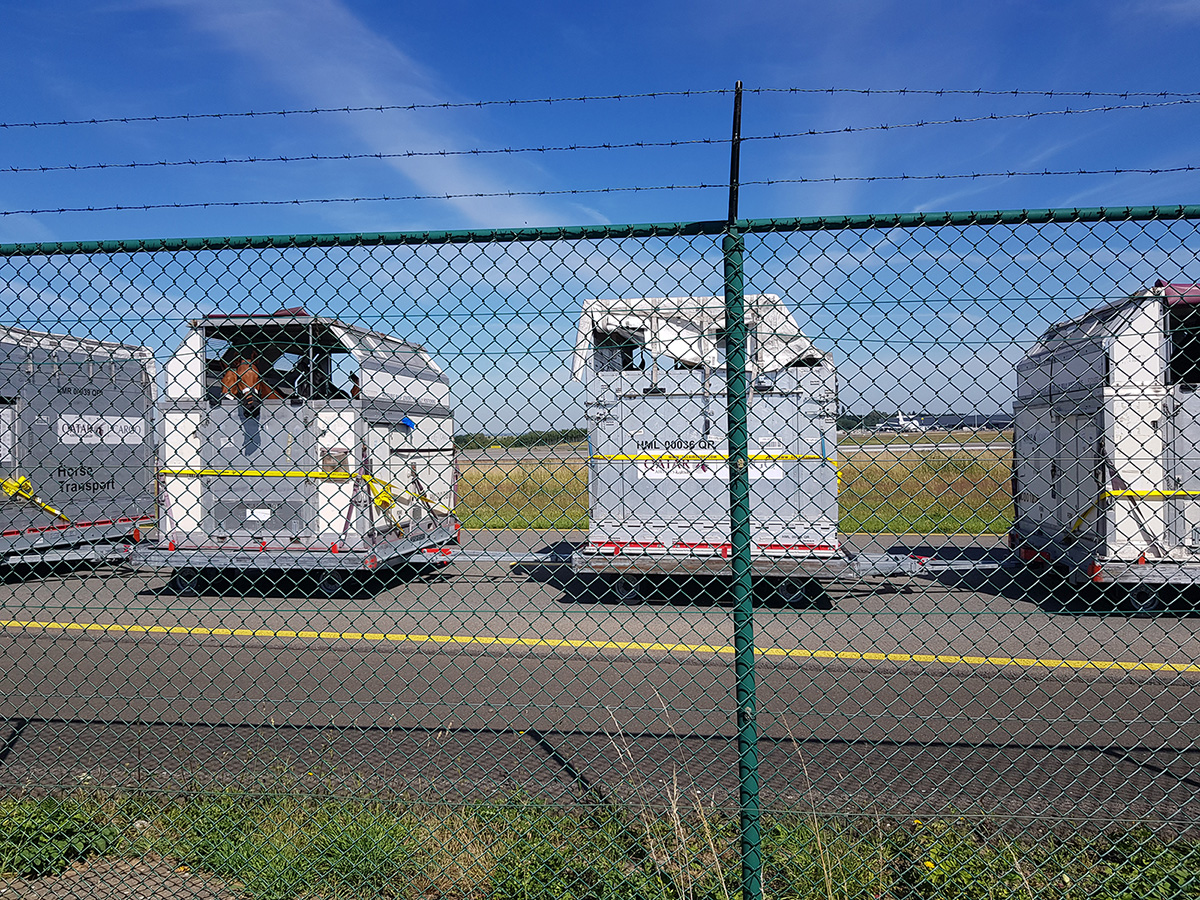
[400, 565]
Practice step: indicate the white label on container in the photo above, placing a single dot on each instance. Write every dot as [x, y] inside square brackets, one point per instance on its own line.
[258, 515]
[8, 418]
[703, 469]
[681, 469]
[75, 429]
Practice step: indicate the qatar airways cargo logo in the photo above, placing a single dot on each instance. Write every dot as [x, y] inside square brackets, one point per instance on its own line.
[74, 429]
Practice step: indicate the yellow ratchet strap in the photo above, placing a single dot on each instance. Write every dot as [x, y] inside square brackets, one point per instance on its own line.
[20, 487]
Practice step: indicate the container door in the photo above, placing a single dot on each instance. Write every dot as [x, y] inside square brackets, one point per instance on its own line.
[677, 478]
[180, 451]
[1033, 458]
[606, 473]
[1183, 470]
[261, 454]
[1078, 486]
[84, 428]
[778, 510]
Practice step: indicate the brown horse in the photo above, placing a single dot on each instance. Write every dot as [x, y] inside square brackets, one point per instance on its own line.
[242, 380]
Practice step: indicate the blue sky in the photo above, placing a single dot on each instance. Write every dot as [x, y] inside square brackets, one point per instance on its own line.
[82, 60]
[161, 57]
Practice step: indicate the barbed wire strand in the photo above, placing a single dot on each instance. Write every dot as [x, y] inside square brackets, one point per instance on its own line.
[479, 104]
[386, 198]
[963, 120]
[607, 145]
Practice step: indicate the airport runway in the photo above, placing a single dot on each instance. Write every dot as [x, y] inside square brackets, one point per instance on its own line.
[969, 693]
[848, 449]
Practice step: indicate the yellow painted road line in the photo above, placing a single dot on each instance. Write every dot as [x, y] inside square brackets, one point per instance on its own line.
[554, 643]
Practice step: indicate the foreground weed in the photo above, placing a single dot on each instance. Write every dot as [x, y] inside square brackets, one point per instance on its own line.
[284, 847]
[280, 849]
[42, 837]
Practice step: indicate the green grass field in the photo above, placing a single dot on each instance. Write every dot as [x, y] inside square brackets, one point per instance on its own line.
[536, 493]
[898, 492]
[892, 491]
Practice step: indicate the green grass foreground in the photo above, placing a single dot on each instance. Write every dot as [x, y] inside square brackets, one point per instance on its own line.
[272, 847]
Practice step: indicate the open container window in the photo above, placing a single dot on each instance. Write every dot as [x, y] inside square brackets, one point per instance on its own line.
[1182, 321]
[284, 359]
[1183, 326]
[618, 351]
[631, 334]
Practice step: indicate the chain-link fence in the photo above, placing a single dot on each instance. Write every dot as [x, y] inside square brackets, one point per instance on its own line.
[824, 558]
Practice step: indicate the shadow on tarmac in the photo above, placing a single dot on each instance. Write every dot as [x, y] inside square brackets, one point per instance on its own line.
[685, 590]
[997, 573]
[340, 585]
[1049, 589]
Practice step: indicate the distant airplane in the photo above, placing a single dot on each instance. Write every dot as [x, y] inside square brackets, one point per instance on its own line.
[899, 423]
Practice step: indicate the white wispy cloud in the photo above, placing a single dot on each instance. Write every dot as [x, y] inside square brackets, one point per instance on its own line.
[325, 56]
[1187, 10]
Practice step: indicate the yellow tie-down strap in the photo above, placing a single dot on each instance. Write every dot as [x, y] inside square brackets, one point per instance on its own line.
[383, 493]
[21, 487]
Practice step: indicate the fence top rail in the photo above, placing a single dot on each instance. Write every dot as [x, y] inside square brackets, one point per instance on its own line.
[600, 232]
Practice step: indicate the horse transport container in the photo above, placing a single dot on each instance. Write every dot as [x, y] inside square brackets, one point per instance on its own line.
[659, 469]
[76, 446]
[1106, 454]
[295, 442]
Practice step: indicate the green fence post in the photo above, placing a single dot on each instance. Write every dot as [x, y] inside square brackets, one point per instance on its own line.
[739, 527]
[733, 247]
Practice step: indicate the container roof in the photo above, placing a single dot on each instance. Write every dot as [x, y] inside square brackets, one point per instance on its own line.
[288, 322]
[1178, 293]
[1113, 317]
[290, 330]
[44, 340]
[688, 329]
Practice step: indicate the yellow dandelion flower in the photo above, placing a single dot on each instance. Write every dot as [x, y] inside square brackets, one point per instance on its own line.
[929, 863]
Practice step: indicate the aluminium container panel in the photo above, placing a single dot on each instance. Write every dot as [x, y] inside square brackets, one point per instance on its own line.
[675, 474]
[78, 428]
[1035, 454]
[1135, 456]
[606, 471]
[659, 468]
[275, 437]
[1077, 487]
[793, 478]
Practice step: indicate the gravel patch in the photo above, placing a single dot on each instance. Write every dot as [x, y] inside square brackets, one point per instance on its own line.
[150, 878]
